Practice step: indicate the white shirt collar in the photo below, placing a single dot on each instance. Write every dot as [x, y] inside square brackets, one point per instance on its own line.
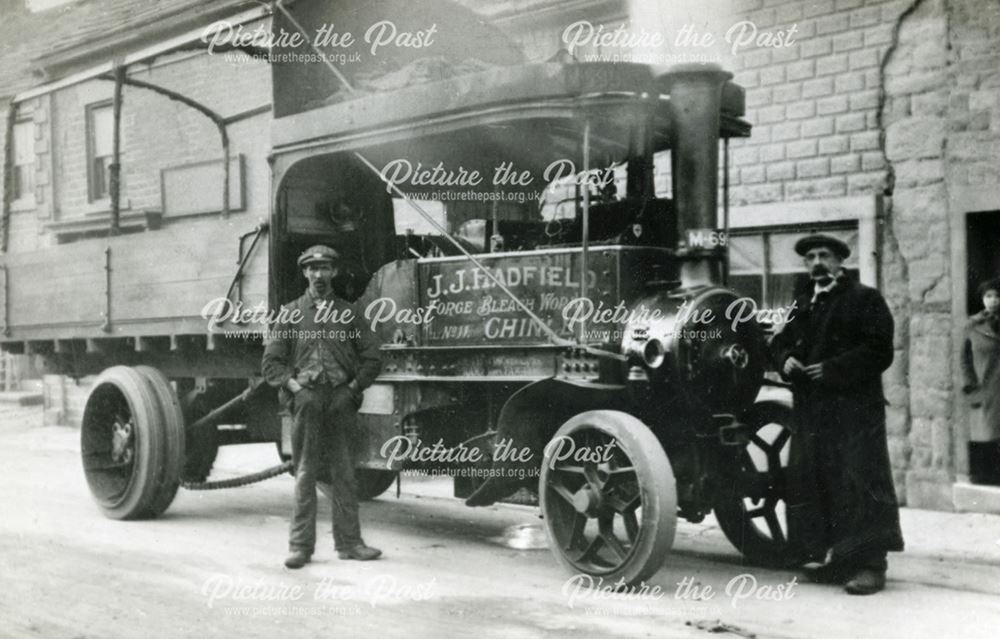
[826, 288]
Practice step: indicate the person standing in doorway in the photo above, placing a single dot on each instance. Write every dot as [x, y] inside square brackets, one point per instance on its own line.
[980, 359]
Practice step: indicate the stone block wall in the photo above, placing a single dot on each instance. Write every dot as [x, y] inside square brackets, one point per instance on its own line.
[898, 98]
[917, 242]
[814, 103]
[832, 117]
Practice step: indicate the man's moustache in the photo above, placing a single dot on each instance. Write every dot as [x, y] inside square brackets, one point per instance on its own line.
[821, 275]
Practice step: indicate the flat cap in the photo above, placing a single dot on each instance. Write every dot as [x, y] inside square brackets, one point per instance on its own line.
[317, 254]
[809, 242]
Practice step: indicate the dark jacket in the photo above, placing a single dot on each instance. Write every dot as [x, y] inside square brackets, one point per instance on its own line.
[851, 336]
[290, 347]
[980, 359]
[841, 451]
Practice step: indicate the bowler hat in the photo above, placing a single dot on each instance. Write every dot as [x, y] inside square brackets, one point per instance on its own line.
[317, 254]
[809, 242]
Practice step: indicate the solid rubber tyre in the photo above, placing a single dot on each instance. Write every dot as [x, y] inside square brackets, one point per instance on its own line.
[123, 411]
[172, 424]
[632, 487]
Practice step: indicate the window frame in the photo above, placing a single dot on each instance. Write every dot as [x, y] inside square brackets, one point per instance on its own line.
[764, 233]
[866, 211]
[22, 201]
[89, 121]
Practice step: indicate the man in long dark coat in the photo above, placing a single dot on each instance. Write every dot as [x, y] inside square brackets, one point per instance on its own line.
[834, 349]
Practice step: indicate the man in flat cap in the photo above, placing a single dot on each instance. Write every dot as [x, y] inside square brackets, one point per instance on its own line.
[834, 349]
[321, 365]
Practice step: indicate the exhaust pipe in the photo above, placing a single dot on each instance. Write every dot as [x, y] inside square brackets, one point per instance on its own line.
[695, 92]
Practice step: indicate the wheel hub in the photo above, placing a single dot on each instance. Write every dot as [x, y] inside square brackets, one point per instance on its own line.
[588, 501]
[121, 442]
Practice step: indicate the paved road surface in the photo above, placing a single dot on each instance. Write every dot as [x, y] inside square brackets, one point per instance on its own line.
[211, 567]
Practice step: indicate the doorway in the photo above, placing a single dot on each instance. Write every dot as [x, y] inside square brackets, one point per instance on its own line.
[983, 233]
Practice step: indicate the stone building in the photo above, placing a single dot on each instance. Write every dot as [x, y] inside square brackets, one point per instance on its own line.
[888, 113]
[878, 120]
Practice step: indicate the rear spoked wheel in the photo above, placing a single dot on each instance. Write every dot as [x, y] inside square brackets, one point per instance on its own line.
[752, 503]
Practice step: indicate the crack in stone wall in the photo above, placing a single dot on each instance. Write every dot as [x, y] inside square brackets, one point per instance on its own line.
[894, 267]
[914, 125]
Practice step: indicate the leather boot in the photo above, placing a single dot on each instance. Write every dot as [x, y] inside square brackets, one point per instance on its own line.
[360, 552]
[297, 558]
[865, 582]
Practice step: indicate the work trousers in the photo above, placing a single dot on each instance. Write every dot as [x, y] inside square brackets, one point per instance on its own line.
[324, 419]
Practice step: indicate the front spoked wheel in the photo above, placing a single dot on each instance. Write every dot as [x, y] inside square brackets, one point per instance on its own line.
[608, 497]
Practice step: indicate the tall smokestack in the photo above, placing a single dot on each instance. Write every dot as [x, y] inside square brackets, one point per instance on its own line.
[695, 92]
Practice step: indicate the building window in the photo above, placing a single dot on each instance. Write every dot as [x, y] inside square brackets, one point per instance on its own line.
[24, 161]
[100, 140]
[763, 264]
